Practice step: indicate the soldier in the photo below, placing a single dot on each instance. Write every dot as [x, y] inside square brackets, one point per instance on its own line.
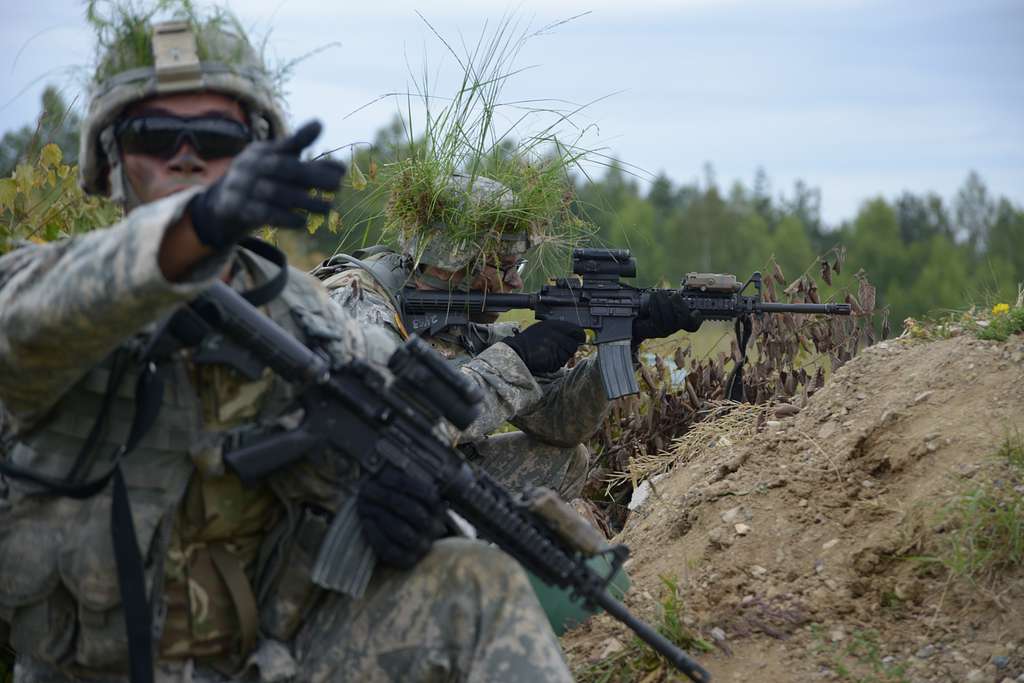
[523, 379]
[211, 579]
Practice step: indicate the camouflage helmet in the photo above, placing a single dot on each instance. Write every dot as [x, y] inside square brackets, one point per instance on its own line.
[180, 57]
[436, 245]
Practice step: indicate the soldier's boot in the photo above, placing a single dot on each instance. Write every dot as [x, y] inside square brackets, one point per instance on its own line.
[519, 461]
[466, 612]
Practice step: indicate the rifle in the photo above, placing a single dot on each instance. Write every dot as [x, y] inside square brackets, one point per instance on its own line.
[599, 301]
[378, 419]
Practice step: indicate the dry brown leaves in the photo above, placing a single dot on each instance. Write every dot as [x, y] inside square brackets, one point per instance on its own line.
[788, 358]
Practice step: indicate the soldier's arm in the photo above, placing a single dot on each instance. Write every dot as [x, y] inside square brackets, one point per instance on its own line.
[64, 306]
[507, 386]
[508, 389]
[572, 407]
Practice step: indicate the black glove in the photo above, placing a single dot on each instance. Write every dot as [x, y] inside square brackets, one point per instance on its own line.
[264, 185]
[402, 516]
[667, 312]
[547, 345]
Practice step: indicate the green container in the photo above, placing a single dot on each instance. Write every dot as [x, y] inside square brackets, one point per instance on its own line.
[562, 611]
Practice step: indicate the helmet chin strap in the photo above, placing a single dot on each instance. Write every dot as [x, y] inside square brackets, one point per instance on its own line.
[121, 190]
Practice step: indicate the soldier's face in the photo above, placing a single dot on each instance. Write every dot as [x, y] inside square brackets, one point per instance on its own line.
[153, 177]
[500, 277]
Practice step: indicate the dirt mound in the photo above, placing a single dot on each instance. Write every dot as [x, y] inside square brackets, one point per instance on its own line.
[802, 552]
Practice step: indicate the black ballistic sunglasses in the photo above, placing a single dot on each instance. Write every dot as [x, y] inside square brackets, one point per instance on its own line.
[162, 136]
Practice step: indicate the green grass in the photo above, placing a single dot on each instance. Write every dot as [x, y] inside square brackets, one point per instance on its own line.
[1002, 325]
[637, 660]
[986, 522]
[529, 146]
[858, 658]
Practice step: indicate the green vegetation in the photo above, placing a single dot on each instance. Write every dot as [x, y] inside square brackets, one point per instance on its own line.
[858, 659]
[925, 255]
[476, 132]
[58, 123]
[986, 522]
[1005, 321]
[637, 661]
[124, 37]
[41, 201]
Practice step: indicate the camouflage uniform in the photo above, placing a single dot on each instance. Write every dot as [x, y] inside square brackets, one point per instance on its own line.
[227, 569]
[555, 413]
[466, 608]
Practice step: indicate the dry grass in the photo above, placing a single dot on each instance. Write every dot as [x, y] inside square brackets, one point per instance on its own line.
[722, 424]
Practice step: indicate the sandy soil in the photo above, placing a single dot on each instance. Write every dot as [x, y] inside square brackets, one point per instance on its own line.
[818, 581]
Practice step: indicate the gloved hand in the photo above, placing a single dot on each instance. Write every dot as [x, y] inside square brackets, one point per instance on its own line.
[401, 515]
[263, 186]
[667, 312]
[547, 345]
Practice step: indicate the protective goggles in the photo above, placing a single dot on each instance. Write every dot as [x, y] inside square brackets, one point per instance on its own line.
[162, 136]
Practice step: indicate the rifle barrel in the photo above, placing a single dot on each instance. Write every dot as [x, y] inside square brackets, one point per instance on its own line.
[829, 309]
[665, 647]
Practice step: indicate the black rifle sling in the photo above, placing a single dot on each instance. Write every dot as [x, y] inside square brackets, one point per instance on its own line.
[734, 386]
[149, 392]
[269, 290]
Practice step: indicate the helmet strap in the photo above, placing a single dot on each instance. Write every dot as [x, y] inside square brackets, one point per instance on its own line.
[121, 190]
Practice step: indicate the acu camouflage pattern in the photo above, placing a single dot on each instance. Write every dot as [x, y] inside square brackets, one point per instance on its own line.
[465, 613]
[66, 311]
[555, 412]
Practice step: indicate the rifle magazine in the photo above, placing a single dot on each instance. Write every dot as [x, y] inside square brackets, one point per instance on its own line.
[617, 374]
[345, 562]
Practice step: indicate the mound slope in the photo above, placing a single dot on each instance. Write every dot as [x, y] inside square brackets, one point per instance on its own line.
[800, 552]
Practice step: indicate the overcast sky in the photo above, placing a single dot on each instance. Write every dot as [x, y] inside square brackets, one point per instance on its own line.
[856, 97]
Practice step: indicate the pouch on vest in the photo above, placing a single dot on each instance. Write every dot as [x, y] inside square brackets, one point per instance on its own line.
[288, 593]
[39, 610]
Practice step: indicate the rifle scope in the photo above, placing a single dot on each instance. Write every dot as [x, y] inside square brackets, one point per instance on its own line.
[590, 262]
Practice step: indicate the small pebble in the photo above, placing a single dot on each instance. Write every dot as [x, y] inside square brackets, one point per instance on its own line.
[925, 652]
[829, 544]
[975, 676]
[742, 529]
[718, 634]
[733, 515]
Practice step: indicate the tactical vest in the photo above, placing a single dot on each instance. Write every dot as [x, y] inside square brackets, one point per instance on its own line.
[59, 585]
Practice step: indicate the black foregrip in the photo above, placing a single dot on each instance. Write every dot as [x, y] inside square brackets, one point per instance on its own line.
[254, 462]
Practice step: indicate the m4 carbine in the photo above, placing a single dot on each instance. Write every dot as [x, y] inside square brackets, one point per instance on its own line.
[596, 298]
[377, 419]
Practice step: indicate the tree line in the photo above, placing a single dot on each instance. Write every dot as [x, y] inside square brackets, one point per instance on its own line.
[924, 253]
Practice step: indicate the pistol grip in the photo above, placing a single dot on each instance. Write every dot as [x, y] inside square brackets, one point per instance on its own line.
[615, 359]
